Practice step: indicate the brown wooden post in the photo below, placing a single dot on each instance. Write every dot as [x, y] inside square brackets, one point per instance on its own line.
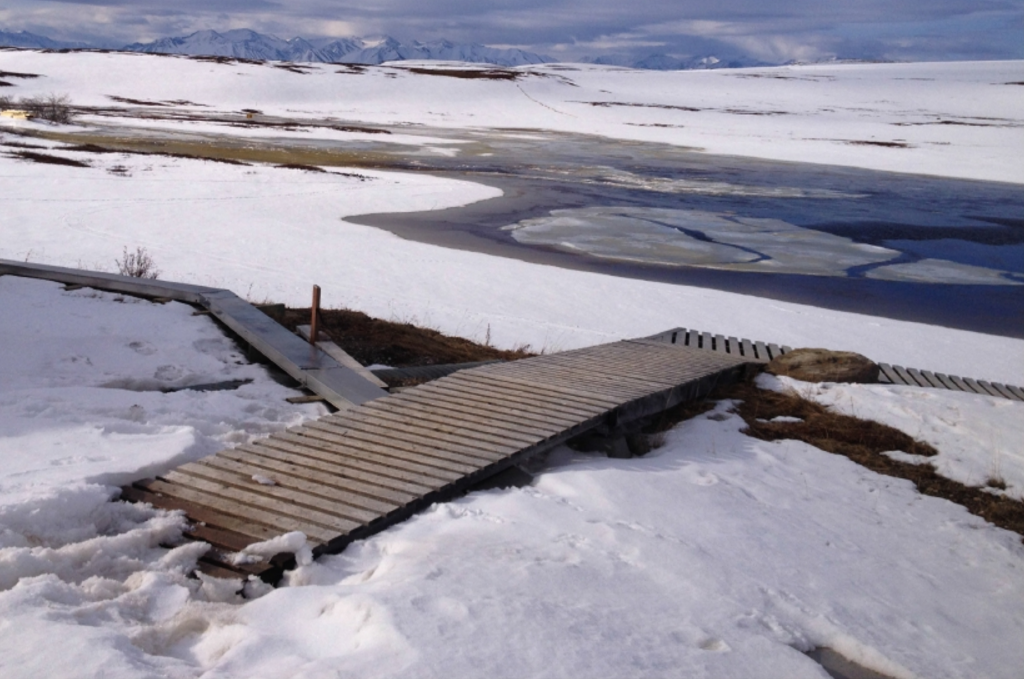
[315, 313]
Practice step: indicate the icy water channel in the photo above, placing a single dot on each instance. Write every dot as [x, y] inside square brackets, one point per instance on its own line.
[939, 251]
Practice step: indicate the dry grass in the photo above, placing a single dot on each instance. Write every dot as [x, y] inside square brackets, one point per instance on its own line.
[862, 441]
[375, 341]
[47, 159]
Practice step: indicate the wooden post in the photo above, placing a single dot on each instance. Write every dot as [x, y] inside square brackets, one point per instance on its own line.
[315, 313]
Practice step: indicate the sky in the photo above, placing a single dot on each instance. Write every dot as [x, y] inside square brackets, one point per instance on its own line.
[775, 31]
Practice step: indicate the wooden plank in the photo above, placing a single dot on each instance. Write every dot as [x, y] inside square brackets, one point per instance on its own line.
[933, 381]
[918, 377]
[333, 443]
[294, 476]
[398, 444]
[747, 349]
[274, 505]
[719, 344]
[946, 382]
[571, 384]
[517, 432]
[439, 435]
[201, 513]
[515, 403]
[281, 524]
[774, 351]
[544, 388]
[309, 450]
[450, 422]
[1001, 388]
[339, 468]
[342, 357]
[144, 287]
[630, 373]
[732, 347]
[227, 540]
[553, 398]
[975, 387]
[330, 439]
[705, 341]
[762, 351]
[987, 386]
[309, 365]
[563, 379]
[887, 373]
[446, 436]
[475, 408]
[347, 505]
[960, 384]
[1016, 391]
[904, 376]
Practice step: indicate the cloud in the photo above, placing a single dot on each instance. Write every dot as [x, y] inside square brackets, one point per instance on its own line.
[773, 31]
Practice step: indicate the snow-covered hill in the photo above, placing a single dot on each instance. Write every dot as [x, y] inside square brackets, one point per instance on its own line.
[247, 44]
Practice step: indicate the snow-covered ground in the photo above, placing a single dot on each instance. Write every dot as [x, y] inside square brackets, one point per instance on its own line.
[955, 119]
[716, 555]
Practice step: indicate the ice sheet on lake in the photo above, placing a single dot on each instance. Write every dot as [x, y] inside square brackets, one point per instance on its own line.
[698, 238]
[942, 271]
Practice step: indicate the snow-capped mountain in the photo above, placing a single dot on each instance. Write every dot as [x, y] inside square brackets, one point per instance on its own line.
[249, 44]
[667, 62]
[32, 41]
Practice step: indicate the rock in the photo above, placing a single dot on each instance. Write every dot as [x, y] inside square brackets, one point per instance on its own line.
[822, 365]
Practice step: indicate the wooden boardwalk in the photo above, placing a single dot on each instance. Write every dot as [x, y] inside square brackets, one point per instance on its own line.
[890, 374]
[348, 475]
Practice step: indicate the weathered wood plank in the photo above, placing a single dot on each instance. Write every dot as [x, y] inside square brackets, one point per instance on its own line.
[467, 417]
[442, 438]
[987, 386]
[975, 387]
[443, 426]
[241, 510]
[255, 532]
[515, 403]
[508, 409]
[471, 410]
[1016, 391]
[307, 449]
[932, 380]
[380, 496]
[946, 382]
[272, 502]
[396, 444]
[341, 468]
[353, 481]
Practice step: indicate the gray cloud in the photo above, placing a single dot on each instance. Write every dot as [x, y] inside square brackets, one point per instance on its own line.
[777, 30]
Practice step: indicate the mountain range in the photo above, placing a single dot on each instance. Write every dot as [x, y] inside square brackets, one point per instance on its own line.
[248, 44]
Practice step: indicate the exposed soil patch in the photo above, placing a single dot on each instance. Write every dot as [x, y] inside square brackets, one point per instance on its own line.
[23, 145]
[295, 68]
[886, 144]
[298, 166]
[4, 83]
[862, 441]
[469, 74]
[46, 158]
[12, 74]
[373, 341]
[136, 102]
[225, 60]
[609, 104]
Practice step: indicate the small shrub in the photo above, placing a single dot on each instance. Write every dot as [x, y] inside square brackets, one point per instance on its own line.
[55, 108]
[138, 264]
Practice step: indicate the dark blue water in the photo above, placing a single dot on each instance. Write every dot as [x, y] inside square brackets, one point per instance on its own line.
[967, 222]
